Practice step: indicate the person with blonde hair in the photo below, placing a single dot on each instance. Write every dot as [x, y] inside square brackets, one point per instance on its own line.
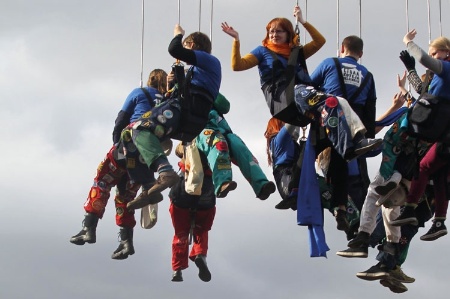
[436, 160]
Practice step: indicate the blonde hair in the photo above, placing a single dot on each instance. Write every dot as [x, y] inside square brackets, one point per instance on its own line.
[441, 43]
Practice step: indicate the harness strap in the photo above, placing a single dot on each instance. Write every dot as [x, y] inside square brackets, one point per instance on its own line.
[148, 96]
[192, 213]
[342, 84]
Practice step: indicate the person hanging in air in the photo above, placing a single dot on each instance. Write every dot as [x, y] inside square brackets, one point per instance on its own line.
[281, 39]
[192, 217]
[112, 172]
[191, 103]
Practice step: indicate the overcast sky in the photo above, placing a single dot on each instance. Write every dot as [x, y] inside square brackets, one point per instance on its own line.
[66, 68]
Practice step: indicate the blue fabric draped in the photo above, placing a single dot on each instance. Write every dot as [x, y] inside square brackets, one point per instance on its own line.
[309, 206]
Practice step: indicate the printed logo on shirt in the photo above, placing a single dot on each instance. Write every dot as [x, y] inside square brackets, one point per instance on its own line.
[352, 76]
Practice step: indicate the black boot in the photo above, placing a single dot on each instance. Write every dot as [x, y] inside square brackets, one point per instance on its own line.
[126, 247]
[87, 234]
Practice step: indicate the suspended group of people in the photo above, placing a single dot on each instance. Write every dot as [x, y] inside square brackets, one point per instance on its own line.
[338, 102]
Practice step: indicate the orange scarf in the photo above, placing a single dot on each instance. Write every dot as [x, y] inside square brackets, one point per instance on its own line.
[283, 50]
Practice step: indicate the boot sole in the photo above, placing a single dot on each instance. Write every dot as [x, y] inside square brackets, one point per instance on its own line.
[122, 256]
[353, 254]
[435, 236]
[267, 190]
[410, 220]
[232, 185]
[203, 272]
[372, 276]
[82, 242]
[394, 287]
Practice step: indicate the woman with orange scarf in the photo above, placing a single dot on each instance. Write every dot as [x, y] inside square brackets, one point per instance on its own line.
[281, 39]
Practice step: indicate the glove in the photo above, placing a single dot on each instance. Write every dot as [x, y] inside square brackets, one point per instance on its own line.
[407, 60]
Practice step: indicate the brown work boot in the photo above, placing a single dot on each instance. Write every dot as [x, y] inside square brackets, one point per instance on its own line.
[144, 199]
[153, 195]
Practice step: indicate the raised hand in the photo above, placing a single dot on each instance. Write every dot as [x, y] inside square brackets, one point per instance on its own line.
[230, 30]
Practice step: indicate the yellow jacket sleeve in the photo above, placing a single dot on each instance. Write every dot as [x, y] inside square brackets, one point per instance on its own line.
[317, 41]
[239, 63]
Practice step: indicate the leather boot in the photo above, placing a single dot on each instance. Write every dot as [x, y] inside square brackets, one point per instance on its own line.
[126, 247]
[88, 233]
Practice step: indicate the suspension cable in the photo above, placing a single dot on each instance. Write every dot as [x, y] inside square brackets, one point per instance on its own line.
[337, 28]
[306, 19]
[297, 29]
[407, 30]
[440, 18]
[407, 16]
[360, 20]
[142, 45]
[429, 22]
[211, 22]
[199, 14]
[179, 12]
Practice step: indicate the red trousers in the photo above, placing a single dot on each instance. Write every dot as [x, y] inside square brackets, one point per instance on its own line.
[109, 174]
[181, 220]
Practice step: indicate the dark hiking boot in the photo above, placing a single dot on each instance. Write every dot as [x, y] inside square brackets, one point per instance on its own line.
[398, 274]
[408, 216]
[362, 147]
[126, 247]
[394, 285]
[362, 238]
[203, 271]
[225, 188]
[286, 204]
[379, 271]
[436, 231]
[177, 276]
[88, 233]
[341, 220]
[267, 189]
[360, 252]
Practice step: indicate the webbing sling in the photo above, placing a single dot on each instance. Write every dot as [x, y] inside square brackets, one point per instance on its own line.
[148, 96]
[342, 84]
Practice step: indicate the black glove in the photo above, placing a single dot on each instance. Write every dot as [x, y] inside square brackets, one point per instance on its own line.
[408, 60]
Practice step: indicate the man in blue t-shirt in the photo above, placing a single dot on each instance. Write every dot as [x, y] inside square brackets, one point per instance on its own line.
[345, 77]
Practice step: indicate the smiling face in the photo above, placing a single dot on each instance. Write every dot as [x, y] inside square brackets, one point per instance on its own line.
[277, 35]
[279, 31]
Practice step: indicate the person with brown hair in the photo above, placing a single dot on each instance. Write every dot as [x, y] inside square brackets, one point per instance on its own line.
[183, 116]
[112, 171]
